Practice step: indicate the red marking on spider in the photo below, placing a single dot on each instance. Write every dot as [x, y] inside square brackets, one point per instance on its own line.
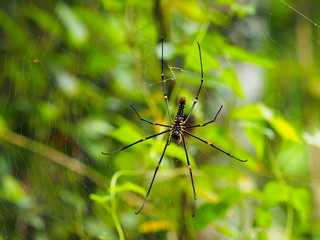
[36, 60]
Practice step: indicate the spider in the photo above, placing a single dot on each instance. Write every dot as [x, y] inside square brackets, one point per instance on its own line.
[176, 130]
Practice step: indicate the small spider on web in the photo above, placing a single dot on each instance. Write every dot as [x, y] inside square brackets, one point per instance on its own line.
[176, 130]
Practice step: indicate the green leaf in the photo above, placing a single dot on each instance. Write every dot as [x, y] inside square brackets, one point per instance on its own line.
[44, 20]
[250, 112]
[67, 82]
[95, 127]
[262, 236]
[209, 61]
[208, 213]
[256, 137]
[218, 17]
[284, 129]
[3, 124]
[48, 111]
[273, 194]
[231, 194]
[263, 218]
[259, 112]
[225, 2]
[77, 30]
[227, 231]
[240, 54]
[300, 200]
[190, 9]
[230, 77]
[18, 38]
[11, 189]
[129, 186]
[126, 134]
[267, 112]
[243, 9]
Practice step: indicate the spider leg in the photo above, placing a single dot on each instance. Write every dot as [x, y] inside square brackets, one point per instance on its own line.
[154, 175]
[190, 170]
[212, 145]
[202, 125]
[162, 79]
[141, 140]
[196, 99]
[154, 123]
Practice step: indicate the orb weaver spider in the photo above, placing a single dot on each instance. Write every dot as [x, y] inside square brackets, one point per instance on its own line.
[176, 130]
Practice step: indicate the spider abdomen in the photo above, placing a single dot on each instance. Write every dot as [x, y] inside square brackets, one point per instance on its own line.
[176, 130]
[175, 135]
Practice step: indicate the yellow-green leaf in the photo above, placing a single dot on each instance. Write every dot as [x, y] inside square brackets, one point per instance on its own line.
[284, 129]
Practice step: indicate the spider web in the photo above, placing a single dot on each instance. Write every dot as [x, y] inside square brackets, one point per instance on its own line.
[51, 136]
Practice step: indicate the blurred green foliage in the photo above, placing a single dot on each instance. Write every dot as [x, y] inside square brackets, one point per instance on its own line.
[69, 71]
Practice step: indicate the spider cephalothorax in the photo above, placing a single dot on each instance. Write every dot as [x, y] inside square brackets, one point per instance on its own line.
[176, 131]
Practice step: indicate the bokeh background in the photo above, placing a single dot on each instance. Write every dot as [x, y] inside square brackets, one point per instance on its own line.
[69, 71]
